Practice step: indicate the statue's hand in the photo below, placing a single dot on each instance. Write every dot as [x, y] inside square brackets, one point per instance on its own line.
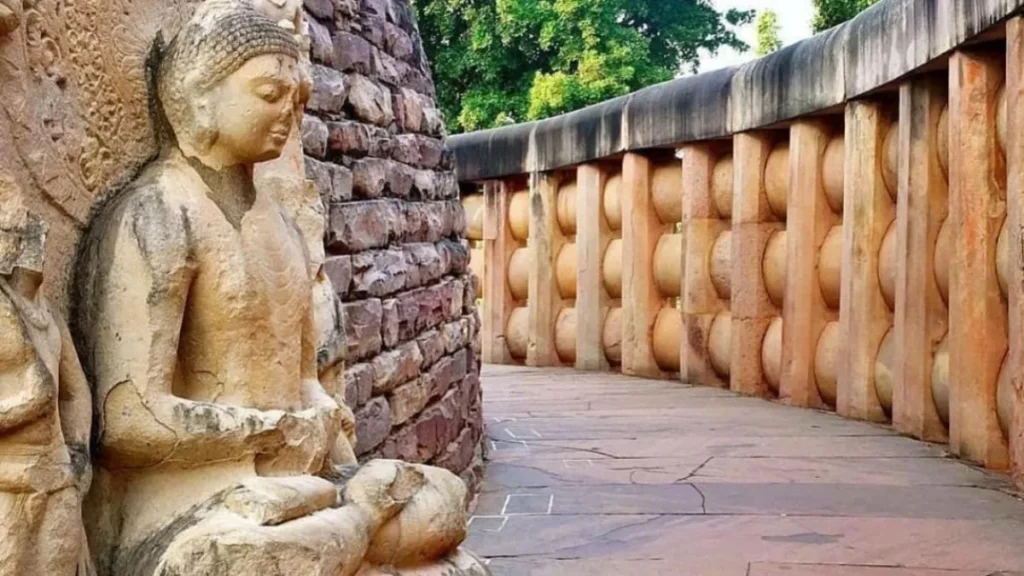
[383, 488]
[302, 447]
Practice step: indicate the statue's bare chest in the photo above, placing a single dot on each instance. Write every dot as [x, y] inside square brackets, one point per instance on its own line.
[255, 272]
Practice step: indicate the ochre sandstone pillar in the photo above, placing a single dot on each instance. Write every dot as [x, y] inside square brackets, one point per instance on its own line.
[641, 301]
[498, 248]
[865, 317]
[921, 321]
[809, 219]
[707, 264]
[753, 225]
[1015, 227]
[592, 238]
[977, 209]
[546, 240]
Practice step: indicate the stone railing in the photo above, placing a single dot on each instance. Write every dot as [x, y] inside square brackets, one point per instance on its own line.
[838, 225]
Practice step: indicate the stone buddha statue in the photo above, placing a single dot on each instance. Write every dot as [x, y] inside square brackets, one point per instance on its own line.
[45, 413]
[219, 451]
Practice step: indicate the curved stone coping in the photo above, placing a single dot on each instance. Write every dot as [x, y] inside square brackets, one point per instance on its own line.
[888, 41]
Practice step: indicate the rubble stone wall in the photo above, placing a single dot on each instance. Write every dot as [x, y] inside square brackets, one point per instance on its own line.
[374, 141]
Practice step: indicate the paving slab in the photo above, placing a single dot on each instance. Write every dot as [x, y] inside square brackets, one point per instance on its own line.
[598, 474]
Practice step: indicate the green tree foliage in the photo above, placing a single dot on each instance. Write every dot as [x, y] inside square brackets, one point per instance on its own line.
[768, 39]
[829, 13]
[498, 62]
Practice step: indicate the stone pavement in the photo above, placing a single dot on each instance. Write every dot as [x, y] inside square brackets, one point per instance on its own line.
[598, 474]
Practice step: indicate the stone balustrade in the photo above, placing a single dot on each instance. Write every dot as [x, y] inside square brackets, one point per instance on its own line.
[838, 225]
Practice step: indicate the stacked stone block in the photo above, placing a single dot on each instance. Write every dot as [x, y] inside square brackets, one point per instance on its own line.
[373, 138]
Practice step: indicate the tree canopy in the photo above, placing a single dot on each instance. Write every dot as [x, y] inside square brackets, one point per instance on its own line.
[498, 62]
[829, 13]
[768, 39]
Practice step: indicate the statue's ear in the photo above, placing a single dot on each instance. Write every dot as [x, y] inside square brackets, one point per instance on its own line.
[204, 132]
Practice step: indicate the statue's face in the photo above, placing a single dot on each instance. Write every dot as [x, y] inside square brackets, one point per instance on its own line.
[255, 107]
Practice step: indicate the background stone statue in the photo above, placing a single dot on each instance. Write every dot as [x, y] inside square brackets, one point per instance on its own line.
[219, 450]
[45, 413]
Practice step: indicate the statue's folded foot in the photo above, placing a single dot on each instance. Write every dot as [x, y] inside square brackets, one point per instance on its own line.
[395, 518]
[458, 563]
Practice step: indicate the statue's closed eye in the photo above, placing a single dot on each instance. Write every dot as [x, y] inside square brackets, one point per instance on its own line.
[270, 92]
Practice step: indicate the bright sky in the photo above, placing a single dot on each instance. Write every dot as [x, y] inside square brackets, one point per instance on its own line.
[794, 17]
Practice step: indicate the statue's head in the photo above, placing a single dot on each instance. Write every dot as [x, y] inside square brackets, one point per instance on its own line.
[229, 84]
[22, 233]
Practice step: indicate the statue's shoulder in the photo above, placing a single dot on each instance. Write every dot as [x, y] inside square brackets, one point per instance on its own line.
[161, 200]
[155, 213]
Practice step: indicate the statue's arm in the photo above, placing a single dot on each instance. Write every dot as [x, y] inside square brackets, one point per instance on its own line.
[36, 390]
[143, 298]
[339, 421]
[73, 394]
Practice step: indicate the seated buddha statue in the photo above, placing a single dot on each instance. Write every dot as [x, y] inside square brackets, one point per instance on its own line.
[219, 451]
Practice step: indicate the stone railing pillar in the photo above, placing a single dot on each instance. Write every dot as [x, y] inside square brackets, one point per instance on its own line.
[809, 221]
[592, 238]
[546, 241]
[707, 265]
[1014, 391]
[865, 316]
[977, 210]
[753, 226]
[640, 298]
[498, 248]
[921, 321]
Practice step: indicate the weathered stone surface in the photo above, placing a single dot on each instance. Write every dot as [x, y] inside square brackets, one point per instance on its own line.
[408, 400]
[456, 256]
[352, 53]
[431, 345]
[418, 150]
[322, 9]
[333, 181]
[402, 445]
[452, 297]
[369, 102]
[426, 185]
[447, 186]
[427, 221]
[425, 264]
[395, 367]
[456, 335]
[438, 426]
[399, 180]
[321, 44]
[391, 325]
[373, 422]
[330, 90]
[362, 328]
[358, 385]
[447, 371]
[339, 271]
[314, 136]
[348, 8]
[370, 177]
[459, 454]
[397, 42]
[358, 226]
[378, 273]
